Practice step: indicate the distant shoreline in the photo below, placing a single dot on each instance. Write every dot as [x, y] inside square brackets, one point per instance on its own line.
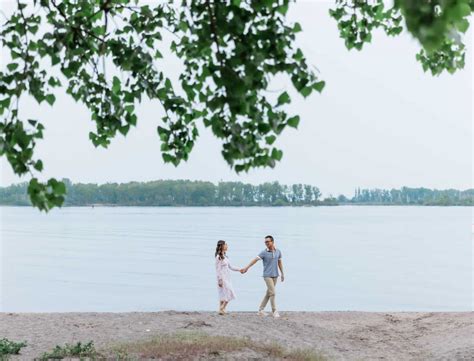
[187, 193]
[244, 206]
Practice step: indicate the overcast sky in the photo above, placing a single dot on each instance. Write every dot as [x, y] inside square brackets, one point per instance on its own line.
[380, 122]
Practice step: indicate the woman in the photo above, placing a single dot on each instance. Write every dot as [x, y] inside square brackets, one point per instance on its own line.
[223, 268]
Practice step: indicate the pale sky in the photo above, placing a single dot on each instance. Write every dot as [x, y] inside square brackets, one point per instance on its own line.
[380, 122]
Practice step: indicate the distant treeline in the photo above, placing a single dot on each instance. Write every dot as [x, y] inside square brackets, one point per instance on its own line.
[411, 196]
[199, 193]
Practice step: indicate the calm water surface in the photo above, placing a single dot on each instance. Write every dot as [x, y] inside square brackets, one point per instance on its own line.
[150, 259]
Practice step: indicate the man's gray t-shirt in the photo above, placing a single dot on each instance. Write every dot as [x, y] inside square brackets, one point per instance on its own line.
[270, 262]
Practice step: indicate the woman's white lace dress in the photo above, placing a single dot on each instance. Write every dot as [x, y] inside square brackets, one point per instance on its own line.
[223, 268]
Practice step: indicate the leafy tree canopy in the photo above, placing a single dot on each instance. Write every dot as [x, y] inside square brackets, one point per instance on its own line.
[230, 50]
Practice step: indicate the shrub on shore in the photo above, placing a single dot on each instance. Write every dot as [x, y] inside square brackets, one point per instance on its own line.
[78, 350]
[8, 347]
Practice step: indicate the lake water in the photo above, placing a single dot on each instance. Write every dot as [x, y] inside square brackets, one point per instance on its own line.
[151, 259]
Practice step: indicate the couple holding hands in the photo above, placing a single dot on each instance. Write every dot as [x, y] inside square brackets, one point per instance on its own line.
[271, 258]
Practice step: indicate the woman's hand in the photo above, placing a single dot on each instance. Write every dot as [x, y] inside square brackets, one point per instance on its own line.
[220, 283]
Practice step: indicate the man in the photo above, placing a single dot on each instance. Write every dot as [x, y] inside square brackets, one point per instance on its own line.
[271, 258]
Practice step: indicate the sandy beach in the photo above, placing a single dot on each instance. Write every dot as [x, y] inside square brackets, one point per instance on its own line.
[335, 335]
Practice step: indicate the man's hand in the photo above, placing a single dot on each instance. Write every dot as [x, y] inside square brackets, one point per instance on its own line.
[220, 283]
[283, 278]
[244, 270]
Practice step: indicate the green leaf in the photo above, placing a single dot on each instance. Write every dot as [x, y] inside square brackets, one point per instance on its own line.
[116, 85]
[270, 139]
[59, 188]
[240, 168]
[282, 9]
[167, 158]
[183, 26]
[163, 133]
[297, 28]
[38, 165]
[294, 121]
[298, 55]
[284, 98]
[306, 91]
[263, 128]
[54, 82]
[50, 98]
[12, 66]
[463, 9]
[462, 25]
[33, 29]
[124, 129]
[277, 154]
[319, 86]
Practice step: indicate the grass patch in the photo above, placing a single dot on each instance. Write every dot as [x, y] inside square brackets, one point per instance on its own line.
[78, 350]
[305, 355]
[190, 345]
[8, 347]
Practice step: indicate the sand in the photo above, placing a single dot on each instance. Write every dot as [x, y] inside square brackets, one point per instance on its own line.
[337, 335]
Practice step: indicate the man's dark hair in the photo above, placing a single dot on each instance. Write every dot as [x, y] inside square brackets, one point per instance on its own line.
[271, 237]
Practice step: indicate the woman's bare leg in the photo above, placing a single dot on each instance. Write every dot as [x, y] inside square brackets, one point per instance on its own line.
[225, 303]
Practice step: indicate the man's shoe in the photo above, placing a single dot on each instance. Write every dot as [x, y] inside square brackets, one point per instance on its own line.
[276, 314]
[262, 313]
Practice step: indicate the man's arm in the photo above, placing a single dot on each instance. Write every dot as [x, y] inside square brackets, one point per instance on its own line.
[252, 262]
[280, 266]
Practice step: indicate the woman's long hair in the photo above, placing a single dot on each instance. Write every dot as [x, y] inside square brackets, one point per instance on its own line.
[220, 250]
